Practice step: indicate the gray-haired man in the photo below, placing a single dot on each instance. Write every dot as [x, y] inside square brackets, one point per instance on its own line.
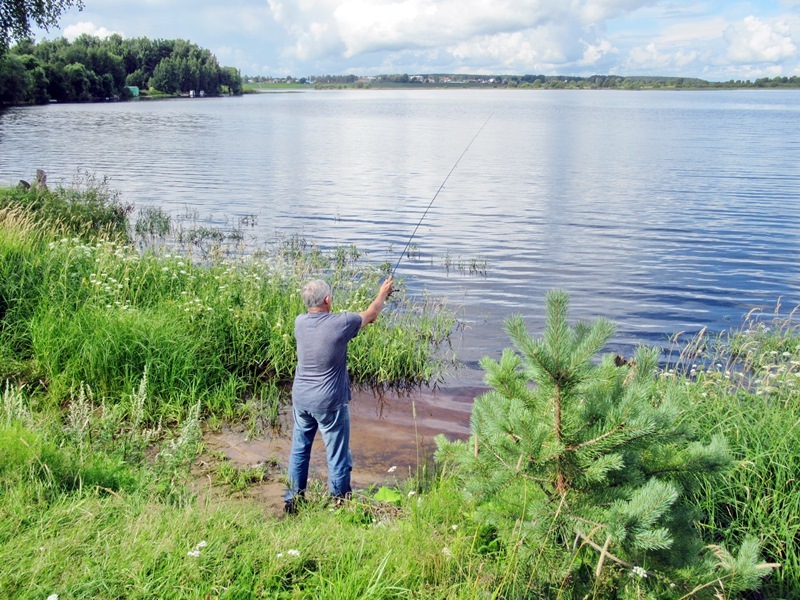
[321, 389]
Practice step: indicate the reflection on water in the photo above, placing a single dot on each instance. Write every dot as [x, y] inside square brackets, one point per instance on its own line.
[662, 211]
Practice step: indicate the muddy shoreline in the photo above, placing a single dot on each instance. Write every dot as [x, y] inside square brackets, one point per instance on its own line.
[387, 430]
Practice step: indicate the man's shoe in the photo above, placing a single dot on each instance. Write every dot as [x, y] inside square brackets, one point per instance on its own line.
[290, 507]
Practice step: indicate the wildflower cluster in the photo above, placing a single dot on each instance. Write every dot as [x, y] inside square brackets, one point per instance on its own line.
[195, 552]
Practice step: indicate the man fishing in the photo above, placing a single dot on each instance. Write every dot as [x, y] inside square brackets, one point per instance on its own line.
[321, 388]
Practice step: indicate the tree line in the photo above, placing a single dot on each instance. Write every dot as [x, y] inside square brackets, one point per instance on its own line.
[94, 69]
[575, 82]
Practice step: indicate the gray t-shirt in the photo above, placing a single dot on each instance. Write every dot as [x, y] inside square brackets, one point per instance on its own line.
[321, 382]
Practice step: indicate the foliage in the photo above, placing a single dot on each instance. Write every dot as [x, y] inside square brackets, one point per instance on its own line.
[87, 207]
[592, 468]
[527, 81]
[91, 309]
[97, 501]
[16, 17]
[90, 68]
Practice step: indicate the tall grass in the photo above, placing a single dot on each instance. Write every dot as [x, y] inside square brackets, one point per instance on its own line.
[86, 204]
[97, 311]
[89, 513]
[744, 384]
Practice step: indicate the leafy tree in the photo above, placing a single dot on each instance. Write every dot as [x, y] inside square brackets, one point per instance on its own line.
[14, 80]
[588, 467]
[166, 76]
[36, 78]
[137, 79]
[78, 83]
[16, 17]
[230, 77]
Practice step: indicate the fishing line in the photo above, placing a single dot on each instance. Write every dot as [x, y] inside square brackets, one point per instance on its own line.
[437, 193]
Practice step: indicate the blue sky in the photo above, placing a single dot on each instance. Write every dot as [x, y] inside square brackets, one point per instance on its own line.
[715, 39]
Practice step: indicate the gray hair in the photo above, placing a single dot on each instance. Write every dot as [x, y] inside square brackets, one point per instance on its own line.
[314, 293]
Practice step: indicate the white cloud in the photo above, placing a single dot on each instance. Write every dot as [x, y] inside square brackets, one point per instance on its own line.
[73, 31]
[710, 38]
[594, 53]
[508, 30]
[691, 32]
[757, 41]
[652, 57]
[531, 50]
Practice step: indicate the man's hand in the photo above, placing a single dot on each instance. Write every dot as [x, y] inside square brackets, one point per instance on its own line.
[371, 314]
[387, 287]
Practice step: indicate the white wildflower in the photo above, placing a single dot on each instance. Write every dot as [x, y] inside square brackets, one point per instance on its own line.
[293, 552]
[411, 493]
[454, 527]
[196, 552]
[637, 570]
[446, 552]
[52, 597]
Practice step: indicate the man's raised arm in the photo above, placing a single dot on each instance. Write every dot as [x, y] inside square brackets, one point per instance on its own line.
[373, 310]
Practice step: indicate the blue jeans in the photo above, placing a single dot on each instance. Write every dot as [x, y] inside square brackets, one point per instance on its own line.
[335, 429]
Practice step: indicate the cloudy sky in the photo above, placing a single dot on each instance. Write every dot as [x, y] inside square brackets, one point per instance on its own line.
[712, 39]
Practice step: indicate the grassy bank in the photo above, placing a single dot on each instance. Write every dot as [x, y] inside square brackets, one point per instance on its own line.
[114, 360]
[82, 306]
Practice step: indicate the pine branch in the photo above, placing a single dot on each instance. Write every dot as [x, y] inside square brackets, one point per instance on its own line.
[599, 548]
[618, 428]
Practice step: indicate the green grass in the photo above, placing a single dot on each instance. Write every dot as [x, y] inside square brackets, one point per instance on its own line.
[93, 310]
[96, 504]
[112, 360]
[749, 393]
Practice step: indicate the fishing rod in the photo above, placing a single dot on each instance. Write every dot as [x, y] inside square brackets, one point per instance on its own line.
[437, 193]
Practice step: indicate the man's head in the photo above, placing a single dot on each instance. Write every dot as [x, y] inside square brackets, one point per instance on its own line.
[314, 294]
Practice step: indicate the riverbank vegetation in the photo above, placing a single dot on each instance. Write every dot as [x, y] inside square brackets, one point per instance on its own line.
[582, 478]
[114, 68]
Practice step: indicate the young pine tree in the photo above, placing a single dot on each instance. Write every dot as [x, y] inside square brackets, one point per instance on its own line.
[585, 468]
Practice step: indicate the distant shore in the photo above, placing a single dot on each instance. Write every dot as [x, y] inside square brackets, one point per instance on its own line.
[540, 82]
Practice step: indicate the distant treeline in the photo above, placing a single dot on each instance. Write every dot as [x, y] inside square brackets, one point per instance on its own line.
[93, 69]
[529, 81]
